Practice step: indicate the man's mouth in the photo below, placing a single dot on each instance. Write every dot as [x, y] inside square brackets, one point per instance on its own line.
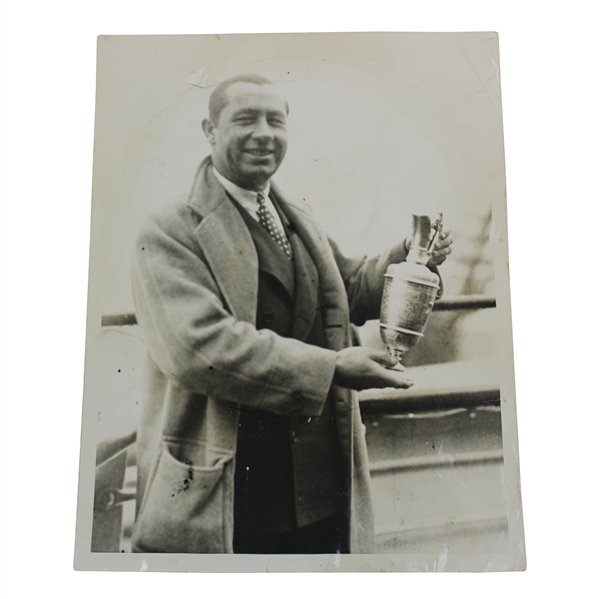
[255, 152]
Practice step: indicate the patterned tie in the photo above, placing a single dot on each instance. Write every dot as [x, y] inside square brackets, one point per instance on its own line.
[270, 224]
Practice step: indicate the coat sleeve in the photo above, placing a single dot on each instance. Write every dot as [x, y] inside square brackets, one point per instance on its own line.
[364, 279]
[199, 344]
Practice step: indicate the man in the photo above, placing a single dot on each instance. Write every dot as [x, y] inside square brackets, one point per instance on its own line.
[252, 440]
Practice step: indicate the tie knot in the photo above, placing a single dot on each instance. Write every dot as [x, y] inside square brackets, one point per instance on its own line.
[260, 197]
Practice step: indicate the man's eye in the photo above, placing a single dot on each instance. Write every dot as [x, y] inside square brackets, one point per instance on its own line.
[276, 120]
[247, 120]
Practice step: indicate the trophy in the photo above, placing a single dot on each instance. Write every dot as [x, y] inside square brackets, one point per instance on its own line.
[410, 290]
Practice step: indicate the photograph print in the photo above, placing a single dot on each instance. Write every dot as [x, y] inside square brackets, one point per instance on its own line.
[299, 349]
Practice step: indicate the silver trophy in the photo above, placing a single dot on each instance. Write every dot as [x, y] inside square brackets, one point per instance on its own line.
[410, 290]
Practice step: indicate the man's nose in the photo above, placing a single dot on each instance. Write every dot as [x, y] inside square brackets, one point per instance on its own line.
[262, 130]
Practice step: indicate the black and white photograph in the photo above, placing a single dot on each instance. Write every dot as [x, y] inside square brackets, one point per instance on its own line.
[299, 339]
[403, 120]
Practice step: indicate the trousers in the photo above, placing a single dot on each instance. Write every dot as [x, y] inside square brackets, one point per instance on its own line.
[325, 536]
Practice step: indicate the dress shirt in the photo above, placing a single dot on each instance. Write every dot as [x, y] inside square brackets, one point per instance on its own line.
[249, 199]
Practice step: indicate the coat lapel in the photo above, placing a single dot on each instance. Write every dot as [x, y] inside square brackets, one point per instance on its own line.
[306, 289]
[305, 277]
[227, 244]
[334, 297]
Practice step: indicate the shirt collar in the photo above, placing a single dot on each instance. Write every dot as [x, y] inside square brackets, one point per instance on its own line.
[238, 193]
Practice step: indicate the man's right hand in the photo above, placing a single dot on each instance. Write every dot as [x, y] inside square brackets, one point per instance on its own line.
[364, 368]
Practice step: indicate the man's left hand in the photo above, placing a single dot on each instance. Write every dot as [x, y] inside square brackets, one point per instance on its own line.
[442, 249]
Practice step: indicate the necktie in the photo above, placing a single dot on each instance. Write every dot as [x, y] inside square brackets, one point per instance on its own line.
[267, 220]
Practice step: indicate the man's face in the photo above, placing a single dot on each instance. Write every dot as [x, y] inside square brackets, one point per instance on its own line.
[250, 139]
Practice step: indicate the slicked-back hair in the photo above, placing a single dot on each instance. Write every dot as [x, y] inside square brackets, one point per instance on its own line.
[218, 98]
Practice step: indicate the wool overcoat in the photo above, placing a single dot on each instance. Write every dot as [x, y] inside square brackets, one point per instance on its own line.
[195, 284]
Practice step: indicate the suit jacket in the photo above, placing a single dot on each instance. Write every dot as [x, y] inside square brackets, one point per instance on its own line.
[195, 284]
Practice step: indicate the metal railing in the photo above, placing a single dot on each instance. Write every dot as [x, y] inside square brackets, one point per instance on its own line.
[458, 302]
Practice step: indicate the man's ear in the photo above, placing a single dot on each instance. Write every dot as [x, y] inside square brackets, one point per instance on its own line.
[208, 128]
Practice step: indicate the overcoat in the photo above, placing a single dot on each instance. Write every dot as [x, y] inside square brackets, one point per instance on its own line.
[195, 284]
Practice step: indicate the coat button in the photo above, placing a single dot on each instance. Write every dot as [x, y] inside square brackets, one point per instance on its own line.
[296, 394]
[268, 317]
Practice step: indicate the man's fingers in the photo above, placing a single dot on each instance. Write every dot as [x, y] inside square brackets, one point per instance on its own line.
[443, 243]
[365, 368]
[381, 357]
[395, 379]
[442, 252]
[389, 372]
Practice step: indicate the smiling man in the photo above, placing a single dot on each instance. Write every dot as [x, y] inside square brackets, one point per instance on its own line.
[251, 439]
[247, 130]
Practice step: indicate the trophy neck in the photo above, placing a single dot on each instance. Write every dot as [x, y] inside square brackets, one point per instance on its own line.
[418, 255]
[423, 236]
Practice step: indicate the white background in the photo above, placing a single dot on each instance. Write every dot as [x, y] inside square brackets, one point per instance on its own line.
[549, 84]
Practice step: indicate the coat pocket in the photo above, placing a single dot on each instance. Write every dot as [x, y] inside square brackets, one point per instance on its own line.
[187, 508]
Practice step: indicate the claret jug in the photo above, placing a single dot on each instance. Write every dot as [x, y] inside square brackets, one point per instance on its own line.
[410, 290]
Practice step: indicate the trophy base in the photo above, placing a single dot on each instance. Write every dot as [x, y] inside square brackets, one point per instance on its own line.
[398, 340]
[396, 355]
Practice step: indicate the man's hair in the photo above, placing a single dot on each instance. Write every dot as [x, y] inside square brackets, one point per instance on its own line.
[218, 98]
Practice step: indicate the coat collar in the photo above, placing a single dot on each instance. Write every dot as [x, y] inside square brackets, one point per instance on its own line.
[207, 193]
